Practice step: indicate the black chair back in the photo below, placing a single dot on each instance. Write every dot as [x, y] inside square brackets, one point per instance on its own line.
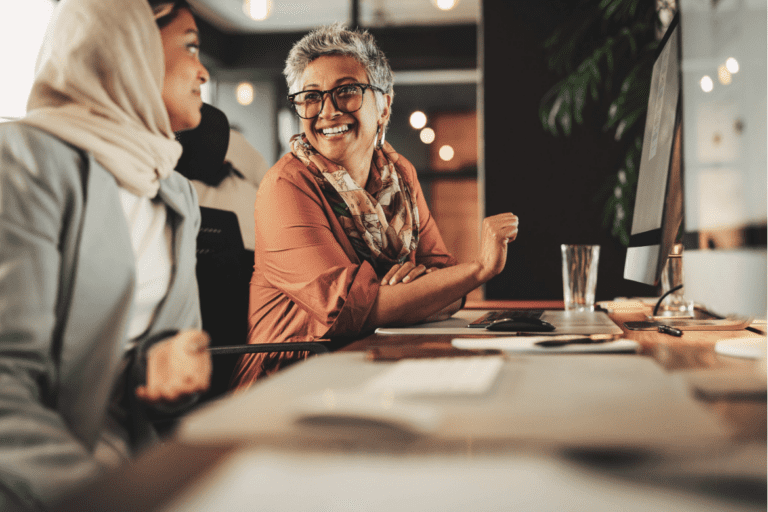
[223, 277]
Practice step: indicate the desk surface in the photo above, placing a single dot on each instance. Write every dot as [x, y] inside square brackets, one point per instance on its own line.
[679, 428]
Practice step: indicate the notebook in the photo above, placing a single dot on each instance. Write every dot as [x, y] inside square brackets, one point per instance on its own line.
[565, 322]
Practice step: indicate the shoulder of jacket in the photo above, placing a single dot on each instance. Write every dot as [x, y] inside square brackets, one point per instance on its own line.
[46, 157]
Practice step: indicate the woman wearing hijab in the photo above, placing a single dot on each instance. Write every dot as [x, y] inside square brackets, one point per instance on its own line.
[344, 239]
[99, 314]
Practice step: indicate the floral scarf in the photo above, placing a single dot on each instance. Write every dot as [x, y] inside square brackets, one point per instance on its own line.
[383, 228]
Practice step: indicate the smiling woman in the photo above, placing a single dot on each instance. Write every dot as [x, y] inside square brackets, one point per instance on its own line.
[184, 74]
[345, 242]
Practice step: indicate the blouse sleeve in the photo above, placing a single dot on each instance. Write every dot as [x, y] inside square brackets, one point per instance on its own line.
[302, 258]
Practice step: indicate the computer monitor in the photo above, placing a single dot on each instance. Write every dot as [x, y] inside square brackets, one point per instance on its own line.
[658, 208]
[706, 161]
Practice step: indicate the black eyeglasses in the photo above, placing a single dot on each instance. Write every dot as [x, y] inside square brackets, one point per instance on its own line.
[346, 98]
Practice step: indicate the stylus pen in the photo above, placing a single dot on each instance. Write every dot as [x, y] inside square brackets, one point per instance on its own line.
[666, 329]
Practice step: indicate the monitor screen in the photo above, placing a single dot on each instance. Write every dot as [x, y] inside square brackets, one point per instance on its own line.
[658, 203]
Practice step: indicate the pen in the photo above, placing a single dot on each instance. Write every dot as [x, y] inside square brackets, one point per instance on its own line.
[666, 329]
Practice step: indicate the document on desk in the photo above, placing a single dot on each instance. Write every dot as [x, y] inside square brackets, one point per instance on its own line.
[531, 345]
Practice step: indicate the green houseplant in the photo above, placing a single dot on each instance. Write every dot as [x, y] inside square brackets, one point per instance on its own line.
[604, 54]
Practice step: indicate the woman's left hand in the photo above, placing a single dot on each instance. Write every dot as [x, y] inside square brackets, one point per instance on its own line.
[404, 273]
[177, 368]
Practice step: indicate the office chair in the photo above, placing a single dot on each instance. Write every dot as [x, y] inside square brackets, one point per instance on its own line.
[223, 271]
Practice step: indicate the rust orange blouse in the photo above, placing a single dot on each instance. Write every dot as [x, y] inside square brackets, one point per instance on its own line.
[308, 283]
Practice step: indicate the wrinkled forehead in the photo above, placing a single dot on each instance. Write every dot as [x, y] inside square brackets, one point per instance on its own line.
[332, 69]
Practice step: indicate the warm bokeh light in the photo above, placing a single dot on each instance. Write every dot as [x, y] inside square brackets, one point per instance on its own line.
[427, 135]
[258, 10]
[418, 120]
[707, 84]
[244, 93]
[446, 5]
[723, 75]
[732, 65]
[446, 153]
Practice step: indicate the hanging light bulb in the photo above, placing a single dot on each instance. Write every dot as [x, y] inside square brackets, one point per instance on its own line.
[445, 5]
[258, 10]
[418, 119]
[724, 75]
[427, 135]
[244, 93]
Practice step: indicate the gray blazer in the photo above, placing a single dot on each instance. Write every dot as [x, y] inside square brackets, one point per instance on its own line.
[66, 286]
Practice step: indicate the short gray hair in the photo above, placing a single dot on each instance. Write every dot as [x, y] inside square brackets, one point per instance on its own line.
[336, 39]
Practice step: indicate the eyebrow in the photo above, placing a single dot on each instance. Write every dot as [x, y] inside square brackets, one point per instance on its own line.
[338, 82]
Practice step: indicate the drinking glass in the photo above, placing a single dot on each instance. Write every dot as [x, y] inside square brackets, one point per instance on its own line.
[579, 276]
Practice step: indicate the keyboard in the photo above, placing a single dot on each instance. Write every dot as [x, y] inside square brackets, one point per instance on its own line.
[439, 375]
[490, 317]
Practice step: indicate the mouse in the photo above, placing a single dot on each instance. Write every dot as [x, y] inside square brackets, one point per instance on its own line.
[521, 325]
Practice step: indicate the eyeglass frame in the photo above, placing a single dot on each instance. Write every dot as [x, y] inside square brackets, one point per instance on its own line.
[333, 100]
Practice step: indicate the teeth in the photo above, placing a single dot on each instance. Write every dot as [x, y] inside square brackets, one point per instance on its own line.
[338, 129]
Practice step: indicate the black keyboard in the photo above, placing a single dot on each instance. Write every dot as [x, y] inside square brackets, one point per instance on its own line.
[490, 317]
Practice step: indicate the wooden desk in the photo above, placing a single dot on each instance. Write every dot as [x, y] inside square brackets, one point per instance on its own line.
[455, 471]
[715, 376]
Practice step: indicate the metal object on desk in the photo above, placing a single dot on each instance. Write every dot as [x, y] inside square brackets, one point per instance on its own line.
[666, 329]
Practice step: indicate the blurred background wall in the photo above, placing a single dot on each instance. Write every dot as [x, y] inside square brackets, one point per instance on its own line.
[477, 71]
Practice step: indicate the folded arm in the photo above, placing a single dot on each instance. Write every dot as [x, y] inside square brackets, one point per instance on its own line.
[415, 301]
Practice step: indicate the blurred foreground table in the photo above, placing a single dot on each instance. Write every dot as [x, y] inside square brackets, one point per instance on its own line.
[674, 427]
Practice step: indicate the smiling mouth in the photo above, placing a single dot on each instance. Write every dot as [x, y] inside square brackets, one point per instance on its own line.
[336, 130]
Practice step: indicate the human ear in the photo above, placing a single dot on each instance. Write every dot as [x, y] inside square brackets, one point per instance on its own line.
[385, 112]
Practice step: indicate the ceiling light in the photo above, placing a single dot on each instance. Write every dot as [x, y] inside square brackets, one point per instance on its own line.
[418, 120]
[723, 75]
[244, 93]
[707, 84]
[732, 65]
[427, 135]
[446, 153]
[258, 10]
[446, 5]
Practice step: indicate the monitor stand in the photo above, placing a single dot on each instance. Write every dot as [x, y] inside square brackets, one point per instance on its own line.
[673, 303]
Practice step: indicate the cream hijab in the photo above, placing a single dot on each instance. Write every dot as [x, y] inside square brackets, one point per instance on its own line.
[98, 86]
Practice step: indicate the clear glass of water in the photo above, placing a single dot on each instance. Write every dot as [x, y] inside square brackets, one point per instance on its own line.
[579, 276]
